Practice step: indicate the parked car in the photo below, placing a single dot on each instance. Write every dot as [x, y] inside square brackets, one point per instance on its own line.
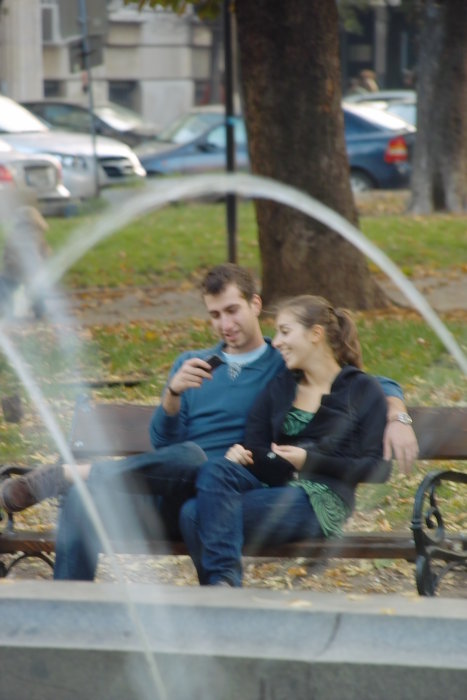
[205, 153]
[116, 162]
[192, 124]
[378, 146]
[32, 179]
[110, 119]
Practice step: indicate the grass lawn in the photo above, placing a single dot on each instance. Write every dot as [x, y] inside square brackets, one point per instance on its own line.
[181, 242]
[185, 239]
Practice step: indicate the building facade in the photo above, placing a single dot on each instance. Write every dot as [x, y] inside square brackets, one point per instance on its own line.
[152, 61]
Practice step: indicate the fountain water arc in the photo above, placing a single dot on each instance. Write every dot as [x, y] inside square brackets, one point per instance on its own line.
[158, 194]
[50, 422]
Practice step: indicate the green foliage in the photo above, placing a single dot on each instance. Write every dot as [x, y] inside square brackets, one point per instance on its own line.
[204, 8]
[348, 14]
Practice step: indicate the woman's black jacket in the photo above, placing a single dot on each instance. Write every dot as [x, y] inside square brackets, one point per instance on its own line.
[343, 441]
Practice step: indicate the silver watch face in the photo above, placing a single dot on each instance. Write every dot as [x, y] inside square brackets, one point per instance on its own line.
[404, 418]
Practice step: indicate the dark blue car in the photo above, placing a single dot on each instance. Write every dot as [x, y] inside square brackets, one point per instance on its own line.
[378, 147]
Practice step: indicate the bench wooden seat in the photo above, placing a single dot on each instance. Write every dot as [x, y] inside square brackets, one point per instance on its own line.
[101, 429]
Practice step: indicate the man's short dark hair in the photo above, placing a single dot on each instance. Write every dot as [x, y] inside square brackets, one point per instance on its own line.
[221, 276]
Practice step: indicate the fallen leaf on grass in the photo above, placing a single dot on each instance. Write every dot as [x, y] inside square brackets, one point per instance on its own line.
[300, 604]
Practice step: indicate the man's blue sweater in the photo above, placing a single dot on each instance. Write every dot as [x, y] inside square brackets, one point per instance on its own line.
[214, 415]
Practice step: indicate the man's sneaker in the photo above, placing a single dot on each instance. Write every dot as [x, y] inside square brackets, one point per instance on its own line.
[21, 492]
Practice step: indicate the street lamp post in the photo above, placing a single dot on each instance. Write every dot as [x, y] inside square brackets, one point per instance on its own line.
[231, 203]
[86, 50]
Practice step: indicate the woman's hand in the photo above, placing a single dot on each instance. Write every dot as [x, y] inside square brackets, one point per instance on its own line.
[294, 455]
[239, 454]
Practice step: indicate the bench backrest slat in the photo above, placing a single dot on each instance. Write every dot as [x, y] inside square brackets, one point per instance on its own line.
[441, 431]
[110, 430]
[122, 429]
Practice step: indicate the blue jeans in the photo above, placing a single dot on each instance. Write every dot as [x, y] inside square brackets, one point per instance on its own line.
[233, 508]
[158, 482]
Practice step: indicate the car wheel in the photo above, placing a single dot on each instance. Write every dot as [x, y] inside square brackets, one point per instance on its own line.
[360, 182]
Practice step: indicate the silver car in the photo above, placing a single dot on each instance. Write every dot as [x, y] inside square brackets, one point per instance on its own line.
[110, 119]
[116, 162]
[32, 179]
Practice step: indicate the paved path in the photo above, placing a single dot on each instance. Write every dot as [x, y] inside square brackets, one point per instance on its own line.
[442, 293]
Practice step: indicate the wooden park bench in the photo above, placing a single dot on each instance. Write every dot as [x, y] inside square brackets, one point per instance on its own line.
[104, 430]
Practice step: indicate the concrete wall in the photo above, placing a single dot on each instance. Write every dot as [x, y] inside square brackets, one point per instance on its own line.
[75, 641]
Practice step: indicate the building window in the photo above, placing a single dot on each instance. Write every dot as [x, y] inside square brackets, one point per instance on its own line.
[125, 93]
[52, 88]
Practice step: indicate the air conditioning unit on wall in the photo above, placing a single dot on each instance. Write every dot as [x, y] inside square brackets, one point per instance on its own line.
[50, 25]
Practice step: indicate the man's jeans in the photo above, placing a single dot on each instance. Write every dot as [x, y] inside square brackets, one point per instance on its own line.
[135, 497]
[232, 508]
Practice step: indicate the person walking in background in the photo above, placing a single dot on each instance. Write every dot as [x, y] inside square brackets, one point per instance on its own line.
[25, 250]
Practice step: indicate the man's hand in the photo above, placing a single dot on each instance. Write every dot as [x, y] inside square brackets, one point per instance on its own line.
[399, 439]
[400, 442]
[190, 376]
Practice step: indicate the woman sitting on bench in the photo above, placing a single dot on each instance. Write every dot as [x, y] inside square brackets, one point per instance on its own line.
[314, 433]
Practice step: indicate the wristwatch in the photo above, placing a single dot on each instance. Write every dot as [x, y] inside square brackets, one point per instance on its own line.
[402, 418]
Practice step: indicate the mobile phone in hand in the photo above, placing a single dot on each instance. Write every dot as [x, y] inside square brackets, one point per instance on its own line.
[214, 361]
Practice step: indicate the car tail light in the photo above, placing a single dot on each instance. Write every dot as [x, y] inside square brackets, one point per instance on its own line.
[397, 150]
[5, 175]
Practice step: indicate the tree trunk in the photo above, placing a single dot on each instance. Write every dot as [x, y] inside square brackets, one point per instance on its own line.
[430, 42]
[439, 177]
[289, 57]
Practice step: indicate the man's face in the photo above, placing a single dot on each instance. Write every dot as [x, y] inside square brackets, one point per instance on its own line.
[235, 319]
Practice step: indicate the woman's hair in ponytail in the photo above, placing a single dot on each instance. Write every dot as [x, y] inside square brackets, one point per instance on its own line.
[340, 328]
[350, 351]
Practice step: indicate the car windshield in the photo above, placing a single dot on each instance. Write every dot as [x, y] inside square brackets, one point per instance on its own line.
[16, 119]
[378, 117]
[189, 127]
[404, 110]
[217, 138]
[5, 147]
[119, 117]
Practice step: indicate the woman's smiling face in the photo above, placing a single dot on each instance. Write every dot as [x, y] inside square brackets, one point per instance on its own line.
[293, 340]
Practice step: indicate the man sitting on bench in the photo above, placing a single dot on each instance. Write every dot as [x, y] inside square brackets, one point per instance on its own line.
[202, 413]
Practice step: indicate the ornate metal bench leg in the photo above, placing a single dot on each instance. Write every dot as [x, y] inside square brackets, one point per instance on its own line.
[5, 570]
[432, 543]
[426, 581]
